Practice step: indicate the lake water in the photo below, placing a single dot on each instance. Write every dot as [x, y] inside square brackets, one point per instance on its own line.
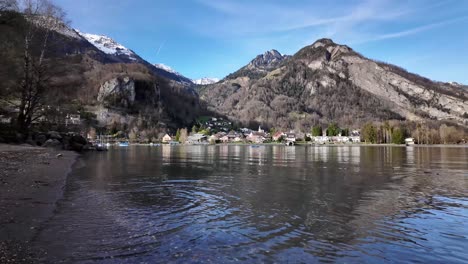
[223, 204]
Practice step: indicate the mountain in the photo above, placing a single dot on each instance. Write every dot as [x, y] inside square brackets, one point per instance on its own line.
[117, 50]
[260, 66]
[267, 61]
[205, 81]
[109, 46]
[172, 74]
[327, 82]
[100, 79]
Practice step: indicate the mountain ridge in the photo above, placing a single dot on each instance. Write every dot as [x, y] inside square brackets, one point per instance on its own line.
[115, 89]
[329, 82]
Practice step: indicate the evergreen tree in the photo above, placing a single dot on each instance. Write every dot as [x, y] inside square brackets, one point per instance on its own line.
[398, 136]
[177, 135]
[316, 131]
[333, 130]
[369, 133]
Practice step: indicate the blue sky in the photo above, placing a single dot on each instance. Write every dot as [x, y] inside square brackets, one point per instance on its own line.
[213, 38]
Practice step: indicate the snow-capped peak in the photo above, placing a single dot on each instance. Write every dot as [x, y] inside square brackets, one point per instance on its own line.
[166, 68]
[182, 79]
[205, 81]
[108, 45]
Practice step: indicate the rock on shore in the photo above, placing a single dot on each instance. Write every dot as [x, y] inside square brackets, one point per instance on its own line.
[56, 140]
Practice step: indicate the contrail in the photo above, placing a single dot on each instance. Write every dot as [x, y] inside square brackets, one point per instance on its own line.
[160, 47]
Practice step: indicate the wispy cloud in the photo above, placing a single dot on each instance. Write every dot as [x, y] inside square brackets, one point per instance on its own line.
[350, 22]
[240, 18]
[415, 30]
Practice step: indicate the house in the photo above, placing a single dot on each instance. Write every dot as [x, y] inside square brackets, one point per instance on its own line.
[277, 136]
[216, 137]
[72, 119]
[213, 138]
[257, 137]
[239, 138]
[355, 133]
[166, 138]
[224, 139]
[343, 139]
[197, 139]
[233, 136]
[5, 119]
[290, 137]
[321, 139]
[340, 139]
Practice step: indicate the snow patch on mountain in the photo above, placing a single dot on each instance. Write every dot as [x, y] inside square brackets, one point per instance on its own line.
[181, 78]
[108, 45]
[205, 81]
[166, 68]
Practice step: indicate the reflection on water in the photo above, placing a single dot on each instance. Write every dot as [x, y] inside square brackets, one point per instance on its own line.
[268, 204]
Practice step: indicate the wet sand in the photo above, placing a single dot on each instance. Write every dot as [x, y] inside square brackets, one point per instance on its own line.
[32, 180]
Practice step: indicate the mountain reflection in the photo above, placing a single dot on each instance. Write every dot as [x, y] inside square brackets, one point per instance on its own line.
[325, 202]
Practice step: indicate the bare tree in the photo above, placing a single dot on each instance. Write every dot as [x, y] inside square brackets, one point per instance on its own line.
[42, 17]
[183, 135]
[6, 5]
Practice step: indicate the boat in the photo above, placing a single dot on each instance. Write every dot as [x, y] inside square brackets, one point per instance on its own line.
[99, 144]
[409, 141]
[101, 147]
[123, 144]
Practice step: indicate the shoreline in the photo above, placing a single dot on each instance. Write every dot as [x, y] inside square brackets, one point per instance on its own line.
[32, 181]
[304, 145]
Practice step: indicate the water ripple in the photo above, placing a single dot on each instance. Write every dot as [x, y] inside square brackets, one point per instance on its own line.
[273, 204]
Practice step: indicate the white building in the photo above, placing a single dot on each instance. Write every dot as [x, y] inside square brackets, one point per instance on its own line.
[197, 139]
[166, 138]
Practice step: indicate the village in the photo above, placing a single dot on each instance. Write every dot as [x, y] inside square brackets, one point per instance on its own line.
[219, 131]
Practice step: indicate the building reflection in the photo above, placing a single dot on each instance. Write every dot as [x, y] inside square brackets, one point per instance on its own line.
[319, 193]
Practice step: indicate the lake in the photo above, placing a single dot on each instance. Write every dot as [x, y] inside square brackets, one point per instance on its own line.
[228, 203]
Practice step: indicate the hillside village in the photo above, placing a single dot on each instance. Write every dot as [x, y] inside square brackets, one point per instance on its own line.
[260, 136]
[218, 130]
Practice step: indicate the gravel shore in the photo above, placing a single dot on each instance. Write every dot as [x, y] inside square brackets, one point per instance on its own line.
[32, 180]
